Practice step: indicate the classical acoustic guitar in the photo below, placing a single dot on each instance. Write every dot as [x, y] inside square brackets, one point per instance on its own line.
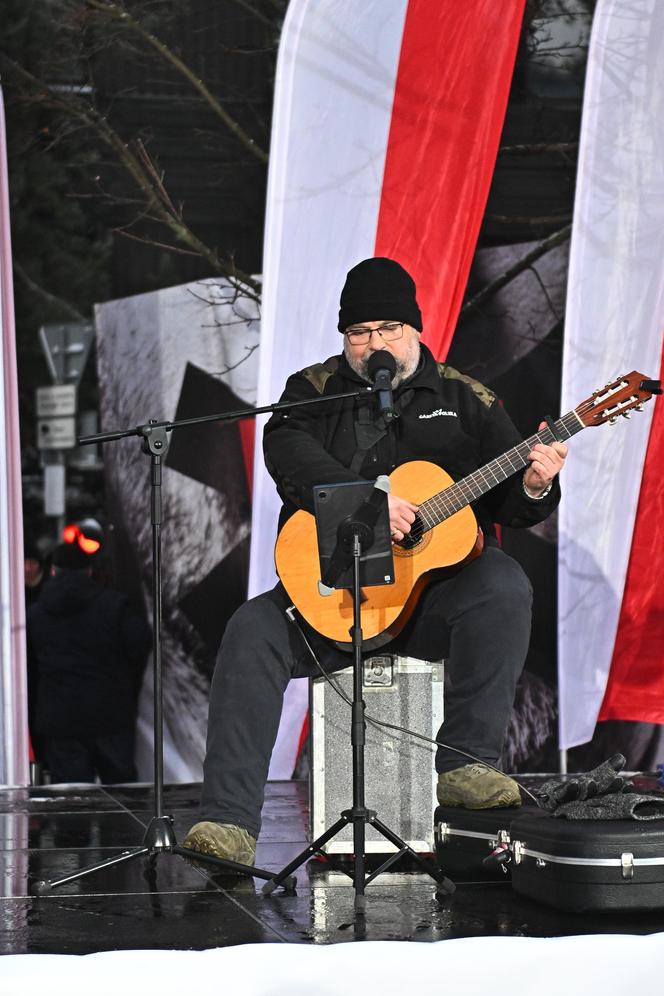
[445, 533]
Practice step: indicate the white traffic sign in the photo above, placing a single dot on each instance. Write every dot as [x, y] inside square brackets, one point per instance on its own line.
[56, 433]
[66, 347]
[56, 401]
[54, 489]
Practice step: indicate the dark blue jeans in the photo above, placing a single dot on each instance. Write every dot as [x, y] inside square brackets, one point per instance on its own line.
[479, 620]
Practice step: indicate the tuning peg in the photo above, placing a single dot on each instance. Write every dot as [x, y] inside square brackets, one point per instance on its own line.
[638, 408]
[626, 415]
[613, 419]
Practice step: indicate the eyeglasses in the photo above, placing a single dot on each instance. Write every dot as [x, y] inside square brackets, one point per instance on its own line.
[360, 335]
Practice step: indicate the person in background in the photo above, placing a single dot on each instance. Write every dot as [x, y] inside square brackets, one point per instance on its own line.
[36, 573]
[88, 647]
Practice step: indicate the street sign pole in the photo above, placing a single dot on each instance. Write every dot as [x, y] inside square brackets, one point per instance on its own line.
[66, 348]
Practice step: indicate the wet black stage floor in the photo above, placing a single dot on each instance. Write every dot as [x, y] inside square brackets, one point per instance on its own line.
[47, 833]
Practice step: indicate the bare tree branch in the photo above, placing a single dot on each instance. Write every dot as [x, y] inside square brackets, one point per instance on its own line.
[523, 264]
[156, 177]
[538, 148]
[157, 201]
[152, 242]
[545, 291]
[533, 220]
[116, 12]
[51, 299]
[245, 5]
[243, 359]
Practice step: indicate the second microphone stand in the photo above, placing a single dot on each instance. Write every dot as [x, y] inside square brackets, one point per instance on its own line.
[159, 838]
[356, 533]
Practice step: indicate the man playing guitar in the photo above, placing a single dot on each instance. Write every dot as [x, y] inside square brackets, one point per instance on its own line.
[477, 616]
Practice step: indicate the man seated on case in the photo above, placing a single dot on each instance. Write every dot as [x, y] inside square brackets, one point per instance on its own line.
[479, 618]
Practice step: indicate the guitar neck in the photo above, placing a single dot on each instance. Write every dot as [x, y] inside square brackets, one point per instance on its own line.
[443, 505]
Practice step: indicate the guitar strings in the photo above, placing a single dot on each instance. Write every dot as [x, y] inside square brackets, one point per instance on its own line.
[443, 505]
[446, 503]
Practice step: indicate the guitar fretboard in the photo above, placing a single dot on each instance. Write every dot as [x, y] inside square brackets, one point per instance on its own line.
[443, 505]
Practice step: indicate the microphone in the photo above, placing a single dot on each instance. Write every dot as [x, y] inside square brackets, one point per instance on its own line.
[381, 369]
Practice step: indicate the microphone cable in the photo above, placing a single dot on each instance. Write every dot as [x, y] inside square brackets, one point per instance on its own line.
[380, 723]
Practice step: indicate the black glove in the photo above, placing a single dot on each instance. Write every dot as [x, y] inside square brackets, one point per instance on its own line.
[602, 780]
[616, 806]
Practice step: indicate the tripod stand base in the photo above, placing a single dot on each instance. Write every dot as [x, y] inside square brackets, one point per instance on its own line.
[43, 888]
[160, 835]
[160, 838]
[444, 885]
[225, 864]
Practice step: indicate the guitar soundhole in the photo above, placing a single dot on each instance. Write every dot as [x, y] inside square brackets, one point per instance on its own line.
[414, 540]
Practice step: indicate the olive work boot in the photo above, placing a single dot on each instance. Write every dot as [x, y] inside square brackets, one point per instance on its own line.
[475, 786]
[222, 840]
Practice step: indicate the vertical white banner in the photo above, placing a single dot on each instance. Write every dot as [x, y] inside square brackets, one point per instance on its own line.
[332, 108]
[146, 374]
[614, 319]
[336, 75]
[13, 688]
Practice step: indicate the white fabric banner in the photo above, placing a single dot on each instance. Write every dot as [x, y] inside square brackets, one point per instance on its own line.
[332, 108]
[13, 687]
[335, 84]
[615, 313]
[143, 365]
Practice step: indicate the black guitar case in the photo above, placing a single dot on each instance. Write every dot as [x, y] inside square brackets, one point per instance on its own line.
[580, 865]
[473, 843]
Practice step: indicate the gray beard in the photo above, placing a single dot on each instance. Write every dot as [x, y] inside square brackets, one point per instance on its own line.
[405, 368]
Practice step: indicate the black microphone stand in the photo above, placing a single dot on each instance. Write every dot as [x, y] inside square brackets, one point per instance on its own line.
[356, 533]
[160, 836]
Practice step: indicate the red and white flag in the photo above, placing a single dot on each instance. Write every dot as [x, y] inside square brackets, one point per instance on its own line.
[611, 563]
[386, 124]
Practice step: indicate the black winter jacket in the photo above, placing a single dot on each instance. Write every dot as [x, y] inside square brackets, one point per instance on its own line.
[446, 418]
[88, 646]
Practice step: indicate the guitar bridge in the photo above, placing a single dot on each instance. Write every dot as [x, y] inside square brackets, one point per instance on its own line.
[415, 536]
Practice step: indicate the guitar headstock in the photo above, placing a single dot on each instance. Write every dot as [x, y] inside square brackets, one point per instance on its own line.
[618, 398]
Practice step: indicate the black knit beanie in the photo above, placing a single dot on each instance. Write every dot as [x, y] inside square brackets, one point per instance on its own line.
[379, 289]
[70, 557]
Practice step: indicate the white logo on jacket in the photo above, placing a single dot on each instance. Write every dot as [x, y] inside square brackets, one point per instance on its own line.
[439, 411]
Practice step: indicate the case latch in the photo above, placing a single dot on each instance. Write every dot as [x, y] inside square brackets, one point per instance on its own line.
[627, 865]
[378, 671]
[442, 831]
